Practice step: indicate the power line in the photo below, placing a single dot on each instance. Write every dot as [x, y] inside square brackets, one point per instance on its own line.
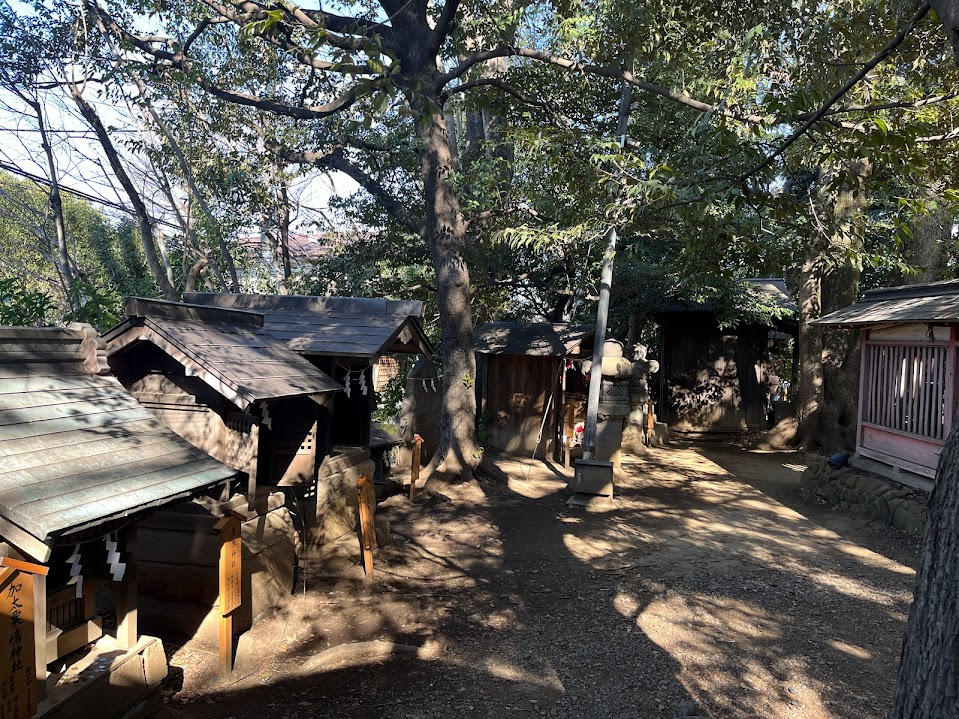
[14, 170]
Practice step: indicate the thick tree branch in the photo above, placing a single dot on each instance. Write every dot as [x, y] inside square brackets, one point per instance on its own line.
[445, 22]
[144, 220]
[337, 160]
[808, 119]
[180, 61]
[816, 116]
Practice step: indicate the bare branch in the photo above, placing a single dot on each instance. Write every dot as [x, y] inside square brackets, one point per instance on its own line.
[337, 160]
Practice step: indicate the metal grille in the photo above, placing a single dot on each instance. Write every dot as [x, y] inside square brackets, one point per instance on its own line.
[906, 389]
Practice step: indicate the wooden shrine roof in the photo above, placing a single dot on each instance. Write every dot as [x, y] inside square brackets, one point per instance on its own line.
[531, 338]
[936, 302]
[230, 350]
[332, 326]
[77, 451]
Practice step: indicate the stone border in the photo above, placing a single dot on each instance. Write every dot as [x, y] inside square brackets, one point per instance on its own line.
[848, 489]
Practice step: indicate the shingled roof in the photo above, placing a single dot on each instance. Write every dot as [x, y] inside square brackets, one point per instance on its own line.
[228, 349]
[531, 338]
[332, 326]
[77, 451]
[929, 302]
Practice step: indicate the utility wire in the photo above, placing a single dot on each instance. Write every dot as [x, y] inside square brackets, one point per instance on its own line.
[14, 170]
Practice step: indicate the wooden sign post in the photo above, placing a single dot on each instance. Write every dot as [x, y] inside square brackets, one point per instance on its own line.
[366, 500]
[231, 585]
[18, 648]
[415, 465]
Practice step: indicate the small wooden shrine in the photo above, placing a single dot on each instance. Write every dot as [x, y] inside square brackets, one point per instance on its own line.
[525, 396]
[907, 390]
[715, 380]
[81, 464]
[226, 385]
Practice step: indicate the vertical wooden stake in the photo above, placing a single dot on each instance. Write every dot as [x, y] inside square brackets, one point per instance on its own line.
[231, 585]
[40, 634]
[365, 499]
[415, 465]
[127, 591]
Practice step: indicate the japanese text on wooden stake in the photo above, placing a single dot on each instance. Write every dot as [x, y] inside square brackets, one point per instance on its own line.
[231, 550]
[18, 697]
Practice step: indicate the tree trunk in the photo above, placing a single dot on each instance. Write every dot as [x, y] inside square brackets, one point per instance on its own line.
[143, 218]
[283, 236]
[185, 167]
[446, 238]
[927, 248]
[829, 379]
[809, 395]
[929, 666]
[62, 254]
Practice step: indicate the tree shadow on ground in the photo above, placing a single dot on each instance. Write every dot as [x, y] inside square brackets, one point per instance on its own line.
[695, 586]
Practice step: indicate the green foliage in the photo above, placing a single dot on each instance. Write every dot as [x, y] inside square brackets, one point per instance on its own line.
[108, 260]
[23, 308]
[390, 399]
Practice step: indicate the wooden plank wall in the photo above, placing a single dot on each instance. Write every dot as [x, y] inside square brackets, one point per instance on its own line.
[290, 444]
[713, 379]
[517, 391]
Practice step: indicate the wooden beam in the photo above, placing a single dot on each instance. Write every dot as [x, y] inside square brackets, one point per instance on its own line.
[24, 566]
[231, 585]
[415, 465]
[25, 542]
[127, 635]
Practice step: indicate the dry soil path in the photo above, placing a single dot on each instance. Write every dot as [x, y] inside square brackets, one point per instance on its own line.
[711, 580]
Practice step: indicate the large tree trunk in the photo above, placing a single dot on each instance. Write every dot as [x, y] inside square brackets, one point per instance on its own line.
[927, 247]
[445, 232]
[929, 667]
[809, 394]
[829, 358]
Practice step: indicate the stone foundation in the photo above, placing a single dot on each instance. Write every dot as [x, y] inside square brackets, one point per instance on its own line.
[850, 489]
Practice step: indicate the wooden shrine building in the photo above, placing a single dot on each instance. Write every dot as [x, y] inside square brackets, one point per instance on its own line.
[342, 336]
[222, 382]
[525, 396]
[908, 375]
[713, 380]
[81, 464]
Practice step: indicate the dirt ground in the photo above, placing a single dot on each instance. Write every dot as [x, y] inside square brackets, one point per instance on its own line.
[711, 580]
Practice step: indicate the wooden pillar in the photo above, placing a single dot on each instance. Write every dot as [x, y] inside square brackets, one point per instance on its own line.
[127, 635]
[365, 500]
[415, 465]
[231, 585]
[40, 633]
[252, 468]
